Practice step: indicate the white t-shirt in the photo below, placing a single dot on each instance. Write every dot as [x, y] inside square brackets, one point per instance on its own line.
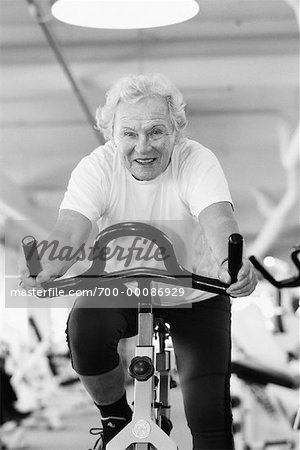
[103, 190]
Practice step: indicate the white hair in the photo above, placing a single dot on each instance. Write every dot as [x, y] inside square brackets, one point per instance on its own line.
[133, 88]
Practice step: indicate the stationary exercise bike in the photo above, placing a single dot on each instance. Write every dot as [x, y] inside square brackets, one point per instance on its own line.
[258, 402]
[151, 424]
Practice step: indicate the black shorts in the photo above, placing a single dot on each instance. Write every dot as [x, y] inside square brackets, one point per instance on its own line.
[202, 345]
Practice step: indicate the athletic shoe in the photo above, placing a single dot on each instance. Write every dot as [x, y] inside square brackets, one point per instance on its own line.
[111, 427]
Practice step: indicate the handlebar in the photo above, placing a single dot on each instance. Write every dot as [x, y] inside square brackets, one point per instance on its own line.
[174, 273]
[30, 250]
[235, 255]
[288, 282]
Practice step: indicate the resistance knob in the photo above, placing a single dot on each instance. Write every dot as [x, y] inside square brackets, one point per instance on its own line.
[141, 368]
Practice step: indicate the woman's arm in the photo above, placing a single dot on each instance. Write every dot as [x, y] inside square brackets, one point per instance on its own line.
[218, 223]
[71, 232]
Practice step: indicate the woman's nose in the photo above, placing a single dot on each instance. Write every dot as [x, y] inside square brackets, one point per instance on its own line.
[142, 144]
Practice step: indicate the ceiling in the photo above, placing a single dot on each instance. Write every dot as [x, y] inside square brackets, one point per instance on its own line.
[236, 64]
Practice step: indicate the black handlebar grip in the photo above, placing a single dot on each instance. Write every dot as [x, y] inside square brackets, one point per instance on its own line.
[31, 255]
[235, 255]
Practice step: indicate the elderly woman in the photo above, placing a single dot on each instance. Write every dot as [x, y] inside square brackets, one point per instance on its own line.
[149, 172]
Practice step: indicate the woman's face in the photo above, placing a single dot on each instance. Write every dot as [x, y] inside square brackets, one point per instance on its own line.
[145, 136]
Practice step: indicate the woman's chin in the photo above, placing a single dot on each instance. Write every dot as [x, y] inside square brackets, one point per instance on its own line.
[143, 176]
[144, 173]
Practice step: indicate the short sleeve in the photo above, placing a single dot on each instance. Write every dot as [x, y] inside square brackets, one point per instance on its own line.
[88, 187]
[202, 179]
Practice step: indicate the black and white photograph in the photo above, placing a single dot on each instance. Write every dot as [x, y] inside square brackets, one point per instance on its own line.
[149, 224]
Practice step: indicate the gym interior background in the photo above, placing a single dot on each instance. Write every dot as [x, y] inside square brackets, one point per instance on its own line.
[237, 65]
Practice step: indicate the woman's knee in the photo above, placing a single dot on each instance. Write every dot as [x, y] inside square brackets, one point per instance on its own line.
[93, 337]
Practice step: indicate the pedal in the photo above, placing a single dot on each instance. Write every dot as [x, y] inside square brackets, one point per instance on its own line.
[173, 383]
[166, 425]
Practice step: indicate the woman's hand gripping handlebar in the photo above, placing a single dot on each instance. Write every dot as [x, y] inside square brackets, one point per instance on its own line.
[174, 273]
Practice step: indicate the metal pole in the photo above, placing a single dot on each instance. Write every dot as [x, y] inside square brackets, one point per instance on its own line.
[36, 13]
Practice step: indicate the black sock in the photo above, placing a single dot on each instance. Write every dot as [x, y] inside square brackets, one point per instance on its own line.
[118, 409]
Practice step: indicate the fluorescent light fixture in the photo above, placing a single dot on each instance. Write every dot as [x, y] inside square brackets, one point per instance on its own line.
[124, 14]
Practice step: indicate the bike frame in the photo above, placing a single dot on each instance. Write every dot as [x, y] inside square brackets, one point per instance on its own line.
[142, 431]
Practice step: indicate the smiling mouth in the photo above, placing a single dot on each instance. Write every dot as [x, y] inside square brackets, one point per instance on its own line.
[145, 162]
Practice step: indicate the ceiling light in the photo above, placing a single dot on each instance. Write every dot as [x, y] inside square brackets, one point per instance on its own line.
[124, 14]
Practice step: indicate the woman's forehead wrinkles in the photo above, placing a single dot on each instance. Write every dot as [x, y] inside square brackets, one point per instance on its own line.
[145, 108]
[142, 115]
[138, 118]
[126, 122]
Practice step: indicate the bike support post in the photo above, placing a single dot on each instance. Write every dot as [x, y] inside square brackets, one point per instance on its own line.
[163, 367]
[143, 432]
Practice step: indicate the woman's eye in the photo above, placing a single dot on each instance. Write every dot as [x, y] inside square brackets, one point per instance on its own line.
[129, 133]
[156, 132]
